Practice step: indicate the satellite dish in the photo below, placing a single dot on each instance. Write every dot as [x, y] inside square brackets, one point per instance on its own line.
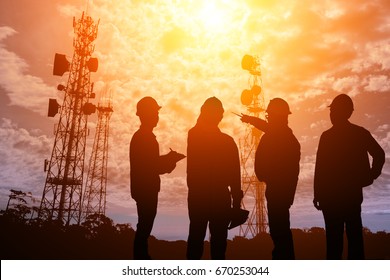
[256, 90]
[89, 108]
[249, 62]
[246, 97]
[92, 64]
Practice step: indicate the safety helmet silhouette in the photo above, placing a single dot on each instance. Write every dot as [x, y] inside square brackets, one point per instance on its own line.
[212, 105]
[278, 106]
[147, 105]
[342, 102]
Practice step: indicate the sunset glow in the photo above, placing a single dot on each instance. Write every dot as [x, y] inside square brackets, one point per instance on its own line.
[182, 52]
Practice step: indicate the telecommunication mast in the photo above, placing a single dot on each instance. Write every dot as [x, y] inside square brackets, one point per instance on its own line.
[94, 198]
[254, 191]
[62, 194]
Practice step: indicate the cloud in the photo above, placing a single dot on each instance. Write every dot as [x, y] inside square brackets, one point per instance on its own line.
[385, 143]
[22, 154]
[6, 31]
[174, 39]
[379, 83]
[23, 89]
[346, 84]
[310, 51]
[347, 39]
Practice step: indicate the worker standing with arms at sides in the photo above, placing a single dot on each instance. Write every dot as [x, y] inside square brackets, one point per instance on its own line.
[214, 182]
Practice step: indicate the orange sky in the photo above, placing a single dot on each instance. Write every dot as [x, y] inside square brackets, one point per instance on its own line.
[182, 52]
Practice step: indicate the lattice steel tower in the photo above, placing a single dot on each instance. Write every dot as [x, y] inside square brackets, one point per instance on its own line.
[61, 198]
[94, 199]
[254, 191]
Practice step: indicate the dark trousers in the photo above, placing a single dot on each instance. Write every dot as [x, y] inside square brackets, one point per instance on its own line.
[217, 217]
[146, 209]
[279, 227]
[336, 217]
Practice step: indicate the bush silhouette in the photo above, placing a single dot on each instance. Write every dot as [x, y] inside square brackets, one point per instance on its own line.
[100, 238]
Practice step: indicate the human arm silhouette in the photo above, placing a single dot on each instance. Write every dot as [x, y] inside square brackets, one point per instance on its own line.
[316, 204]
[343, 159]
[167, 163]
[318, 176]
[255, 121]
[378, 157]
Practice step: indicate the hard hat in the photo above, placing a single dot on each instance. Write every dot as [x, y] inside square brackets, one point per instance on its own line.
[147, 104]
[342, 102]
[278, 106]
[238, 217]
[212, 105]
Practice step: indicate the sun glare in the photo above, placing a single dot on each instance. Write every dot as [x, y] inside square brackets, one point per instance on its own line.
[212, 16]
[216, 16]
[211, 24]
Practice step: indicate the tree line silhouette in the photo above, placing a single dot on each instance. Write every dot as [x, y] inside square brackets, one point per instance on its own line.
[99, 238]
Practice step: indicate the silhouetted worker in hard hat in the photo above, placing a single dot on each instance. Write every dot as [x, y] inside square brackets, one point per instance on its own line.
[277, 164]
[146, 165]
[214, 181]
[342, 170]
